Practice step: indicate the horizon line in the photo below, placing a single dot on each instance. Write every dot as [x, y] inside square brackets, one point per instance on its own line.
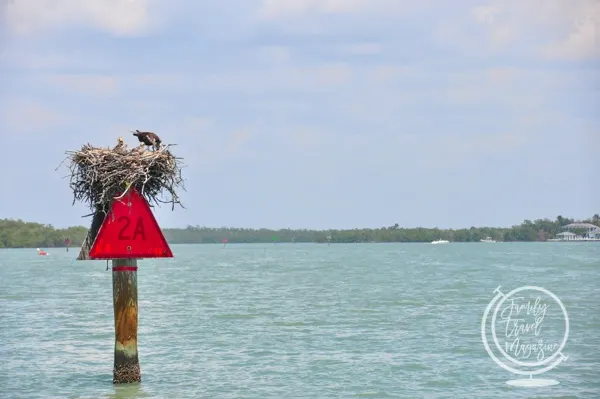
[589, 219]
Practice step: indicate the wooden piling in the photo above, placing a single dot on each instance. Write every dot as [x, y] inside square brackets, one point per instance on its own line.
[125, 302]
[97, 221]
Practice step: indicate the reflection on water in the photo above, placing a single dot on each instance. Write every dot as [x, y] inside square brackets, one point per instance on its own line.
[128, 391]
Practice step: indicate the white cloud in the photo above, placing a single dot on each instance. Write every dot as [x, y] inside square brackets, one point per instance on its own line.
[283, 9]
[367, 91]
[279, 77]
[582, 42]
[20, 57]
[87, 84]
[29, 117]
[120, 17]
[362, 48]
[170, 81]
[208, 142]
[485, 14]
[567, 27]
[195, 124]
[458, 148]
[274, 54]
[387, 73]
[289, 8]
[236, 145]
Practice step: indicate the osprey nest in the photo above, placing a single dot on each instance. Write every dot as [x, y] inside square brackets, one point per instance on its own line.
[99, 175]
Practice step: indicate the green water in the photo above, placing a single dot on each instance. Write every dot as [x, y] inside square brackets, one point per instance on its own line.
[294, 321]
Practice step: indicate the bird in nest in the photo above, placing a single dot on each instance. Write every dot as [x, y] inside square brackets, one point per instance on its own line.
[148, 139]
[121, 146]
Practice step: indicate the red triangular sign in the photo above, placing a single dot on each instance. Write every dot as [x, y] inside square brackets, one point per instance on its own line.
[130, 231]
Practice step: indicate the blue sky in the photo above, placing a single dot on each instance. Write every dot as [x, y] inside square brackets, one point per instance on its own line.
[311, 113]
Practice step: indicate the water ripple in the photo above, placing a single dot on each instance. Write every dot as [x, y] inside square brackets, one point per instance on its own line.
[291, 321]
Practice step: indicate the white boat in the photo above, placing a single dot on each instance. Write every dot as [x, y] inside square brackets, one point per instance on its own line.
[487, 239]
[440, 242]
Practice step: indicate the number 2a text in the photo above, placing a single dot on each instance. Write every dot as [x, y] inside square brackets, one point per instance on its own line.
[138, 231]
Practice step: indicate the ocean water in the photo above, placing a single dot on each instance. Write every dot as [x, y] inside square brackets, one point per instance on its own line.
[296, 321]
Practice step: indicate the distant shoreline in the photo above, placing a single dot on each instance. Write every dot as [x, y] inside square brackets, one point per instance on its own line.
[20, 234]
[75, 249]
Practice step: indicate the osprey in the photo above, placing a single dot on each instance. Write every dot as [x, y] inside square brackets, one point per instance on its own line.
[148, 138]
[120, 147]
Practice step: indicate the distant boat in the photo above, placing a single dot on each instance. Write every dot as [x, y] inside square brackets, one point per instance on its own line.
[42, 252]
[487, 239]
[440, 242]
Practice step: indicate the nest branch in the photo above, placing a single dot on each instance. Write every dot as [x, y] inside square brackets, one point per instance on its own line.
[99, 175]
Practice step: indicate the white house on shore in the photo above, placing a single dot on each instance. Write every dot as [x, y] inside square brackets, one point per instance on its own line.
[590, 233]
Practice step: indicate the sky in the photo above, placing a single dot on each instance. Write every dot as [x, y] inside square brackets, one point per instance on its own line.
[311, 113]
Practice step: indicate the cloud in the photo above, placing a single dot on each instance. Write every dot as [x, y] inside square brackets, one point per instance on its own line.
[236, 147]
[306, 138]
[285, 9]
[388, 72]
[272, 9]
[378, 96]
[274, 54]
[457, 149]
[34, 59]
[353, 94]
[581, 43]
[563, 29]
[86, 84]
[193, 125]
[423, 151]
[500, 88]
[319, 77]
[362, 48]
[26, 116]
[209, 149]
[485, 14]
[119, 17]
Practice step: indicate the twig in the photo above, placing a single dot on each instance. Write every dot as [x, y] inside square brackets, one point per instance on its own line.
[100, 175]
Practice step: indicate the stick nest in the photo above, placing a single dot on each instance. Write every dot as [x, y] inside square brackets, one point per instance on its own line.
[99, 175]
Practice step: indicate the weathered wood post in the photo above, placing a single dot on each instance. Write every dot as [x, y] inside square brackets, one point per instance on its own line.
[123, 228]
[128, 232]
[125, 303]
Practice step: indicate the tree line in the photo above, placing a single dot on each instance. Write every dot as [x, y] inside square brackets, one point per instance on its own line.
[20, 234]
